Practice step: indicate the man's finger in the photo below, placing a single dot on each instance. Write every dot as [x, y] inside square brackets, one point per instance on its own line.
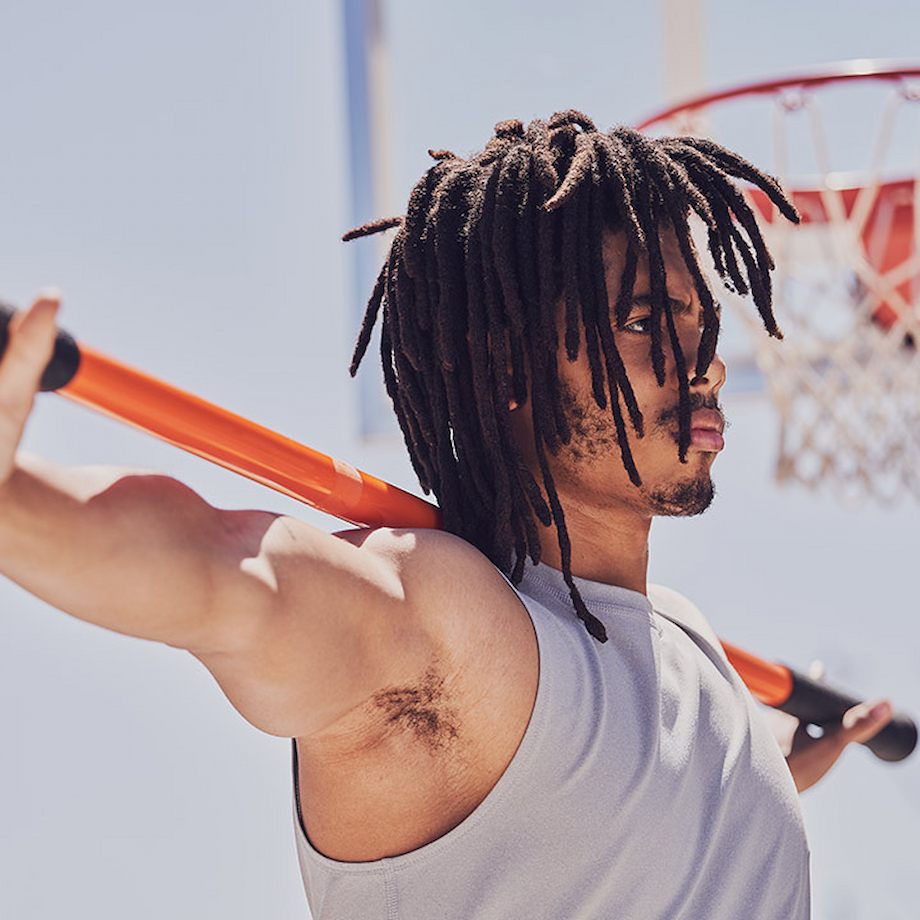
[864, 721]
[817, 670]
[29, 348]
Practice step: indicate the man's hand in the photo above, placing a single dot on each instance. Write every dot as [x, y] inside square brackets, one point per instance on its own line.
[810, 758]
[30, 345]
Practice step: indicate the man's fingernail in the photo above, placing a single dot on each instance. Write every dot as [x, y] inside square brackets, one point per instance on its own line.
[50, 293]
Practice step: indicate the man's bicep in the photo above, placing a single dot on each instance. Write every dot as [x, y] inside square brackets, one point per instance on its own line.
[311, 624]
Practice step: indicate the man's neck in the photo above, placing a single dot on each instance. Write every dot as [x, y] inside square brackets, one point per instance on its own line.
[609, 545]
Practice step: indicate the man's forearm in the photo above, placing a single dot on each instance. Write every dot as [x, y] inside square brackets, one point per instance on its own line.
[128, 550]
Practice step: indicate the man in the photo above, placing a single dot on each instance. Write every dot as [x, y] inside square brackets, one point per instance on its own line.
[577, 746]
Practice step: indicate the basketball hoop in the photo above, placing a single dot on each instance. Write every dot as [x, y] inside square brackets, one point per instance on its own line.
[846, 379]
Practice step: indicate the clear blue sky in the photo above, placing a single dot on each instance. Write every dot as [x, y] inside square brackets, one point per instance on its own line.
[179, 170]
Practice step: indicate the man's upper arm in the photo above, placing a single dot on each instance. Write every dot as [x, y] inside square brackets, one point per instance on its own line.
[309, 625]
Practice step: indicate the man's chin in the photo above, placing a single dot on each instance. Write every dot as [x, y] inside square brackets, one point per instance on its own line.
[682, 499]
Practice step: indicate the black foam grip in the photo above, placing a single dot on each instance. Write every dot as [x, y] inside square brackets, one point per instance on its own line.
[817, 704]
[65, 361]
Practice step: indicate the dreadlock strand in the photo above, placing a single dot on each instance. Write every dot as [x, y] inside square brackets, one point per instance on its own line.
[538, 137]
[616, 189]
[539, 317]
[451, 333]
[712, 177]
[672, 187]
[483, 393]
[417, 215]
[680, 364]
[571, 117]
[549, 289]
[367, 324]
[402, 384]
[735, 165]
[497, 332]
[406, 354]
[579, 171]
[587, 294]
[510, 194]
[621, 313]
[657, 280]
[617, 380]
[371, 227]
[613, 147]
[722, 248]
[592, 624]
[570, 281]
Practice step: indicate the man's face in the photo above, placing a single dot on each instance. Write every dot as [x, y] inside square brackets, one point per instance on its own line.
[589, 470]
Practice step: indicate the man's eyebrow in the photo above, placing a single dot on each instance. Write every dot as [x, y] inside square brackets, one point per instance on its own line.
[678, 307]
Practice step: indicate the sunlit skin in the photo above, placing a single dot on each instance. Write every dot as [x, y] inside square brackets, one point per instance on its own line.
[608, 517]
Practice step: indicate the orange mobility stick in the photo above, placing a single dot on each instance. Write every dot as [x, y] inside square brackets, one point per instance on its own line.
[200, 427]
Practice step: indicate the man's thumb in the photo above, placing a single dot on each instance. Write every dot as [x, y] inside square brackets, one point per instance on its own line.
[862, 721]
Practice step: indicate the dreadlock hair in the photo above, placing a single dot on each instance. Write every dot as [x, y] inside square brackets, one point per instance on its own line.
[487, 248]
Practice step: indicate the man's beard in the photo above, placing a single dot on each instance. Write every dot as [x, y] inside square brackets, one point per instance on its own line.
[682, 499]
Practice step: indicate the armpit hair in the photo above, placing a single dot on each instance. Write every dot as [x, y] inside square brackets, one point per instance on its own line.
[422, 709]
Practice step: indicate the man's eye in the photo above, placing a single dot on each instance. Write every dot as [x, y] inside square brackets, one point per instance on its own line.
[639, 326]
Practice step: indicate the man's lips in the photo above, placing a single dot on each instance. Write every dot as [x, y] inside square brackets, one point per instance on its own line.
[706, 427]
[710, 419]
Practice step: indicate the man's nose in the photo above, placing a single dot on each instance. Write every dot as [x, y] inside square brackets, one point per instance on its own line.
[712, 379]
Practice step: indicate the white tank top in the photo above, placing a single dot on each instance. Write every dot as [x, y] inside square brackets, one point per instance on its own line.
[647, 786]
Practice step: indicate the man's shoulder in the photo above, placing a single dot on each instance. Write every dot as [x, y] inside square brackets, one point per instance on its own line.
[421, 554]
[676, 606]
[443, 576]
[409, 545]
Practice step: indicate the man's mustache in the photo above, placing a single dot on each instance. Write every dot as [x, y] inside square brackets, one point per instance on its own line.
[697, 401]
